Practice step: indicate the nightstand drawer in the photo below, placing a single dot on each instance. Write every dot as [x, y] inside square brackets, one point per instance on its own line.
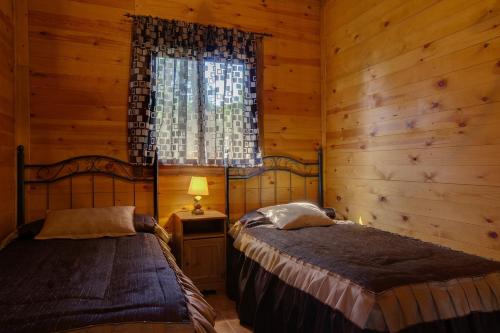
[203, 261]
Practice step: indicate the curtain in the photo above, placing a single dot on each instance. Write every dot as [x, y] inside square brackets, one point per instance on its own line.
[193, 94]
[177, 108]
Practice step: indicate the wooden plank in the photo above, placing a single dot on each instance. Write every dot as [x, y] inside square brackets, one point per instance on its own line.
[345, 11]
[7, 115]
[451, 174]
[486, 155]
[486, 114]
[255, 17]
[94, 10]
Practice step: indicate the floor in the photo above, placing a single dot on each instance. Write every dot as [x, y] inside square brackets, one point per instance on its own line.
[227, 319]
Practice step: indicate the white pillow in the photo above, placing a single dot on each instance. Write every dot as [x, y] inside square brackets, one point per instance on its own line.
[296, 215]
[88, 223]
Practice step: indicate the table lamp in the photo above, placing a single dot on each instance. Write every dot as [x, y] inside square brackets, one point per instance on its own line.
[198, 187]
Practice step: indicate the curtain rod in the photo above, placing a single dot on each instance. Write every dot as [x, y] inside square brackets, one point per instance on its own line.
[262, 34]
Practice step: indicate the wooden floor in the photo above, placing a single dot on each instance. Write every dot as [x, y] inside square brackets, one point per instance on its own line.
[227, 319]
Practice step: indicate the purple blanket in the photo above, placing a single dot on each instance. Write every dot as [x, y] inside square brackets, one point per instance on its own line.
[55, 285]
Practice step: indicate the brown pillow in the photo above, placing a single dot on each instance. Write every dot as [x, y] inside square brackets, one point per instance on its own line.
[89, 223]
[144, 223]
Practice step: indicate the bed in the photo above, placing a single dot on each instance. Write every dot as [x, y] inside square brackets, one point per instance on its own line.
[110, 284]
[345, 277]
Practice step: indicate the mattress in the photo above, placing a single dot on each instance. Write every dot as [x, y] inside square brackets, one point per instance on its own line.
[354, 279]
[125, 284]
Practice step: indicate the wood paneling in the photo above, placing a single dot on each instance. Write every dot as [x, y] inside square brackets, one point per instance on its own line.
[79, 53]
[411, 108]
[7, 166]
[410, 102]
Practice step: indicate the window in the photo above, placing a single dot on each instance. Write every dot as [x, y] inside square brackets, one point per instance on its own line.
[193, 94]
[204, 112]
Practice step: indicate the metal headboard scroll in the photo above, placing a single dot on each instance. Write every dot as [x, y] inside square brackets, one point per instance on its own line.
[93, 165]
[278, 163]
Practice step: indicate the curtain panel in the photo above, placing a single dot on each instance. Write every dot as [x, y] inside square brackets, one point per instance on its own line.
[193, 94]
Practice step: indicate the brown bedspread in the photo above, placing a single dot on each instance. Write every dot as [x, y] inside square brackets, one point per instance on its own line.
[374, 259]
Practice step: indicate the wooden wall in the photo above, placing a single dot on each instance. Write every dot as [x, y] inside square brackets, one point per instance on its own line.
[7, 166]
[79, 56]
[411, 104]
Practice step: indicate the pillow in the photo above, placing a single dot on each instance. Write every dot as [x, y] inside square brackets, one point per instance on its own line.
[88, 223]
[254, 218]
[30, 230]
[296, 215]
[330, 212]
[144, 223]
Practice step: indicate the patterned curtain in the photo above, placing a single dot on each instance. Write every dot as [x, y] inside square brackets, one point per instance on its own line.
[177, 108]
[193, 94]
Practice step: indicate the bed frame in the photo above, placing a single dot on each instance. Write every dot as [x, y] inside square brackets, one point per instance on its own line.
[277, 163]
[93, 165]
[98, 165]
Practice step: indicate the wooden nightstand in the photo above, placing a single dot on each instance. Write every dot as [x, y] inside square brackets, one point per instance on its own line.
[200, 248]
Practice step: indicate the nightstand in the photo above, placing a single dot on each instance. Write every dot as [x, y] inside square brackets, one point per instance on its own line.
[199, 245]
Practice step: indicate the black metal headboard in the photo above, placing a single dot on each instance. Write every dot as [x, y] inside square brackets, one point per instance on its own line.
[93, 165]
[277, 163]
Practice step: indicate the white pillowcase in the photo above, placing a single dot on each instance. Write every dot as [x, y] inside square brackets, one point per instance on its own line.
[296, 215]
[88, 223]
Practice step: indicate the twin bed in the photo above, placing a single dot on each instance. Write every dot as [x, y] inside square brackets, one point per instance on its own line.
[98, 285]
[337, 278]
[350, 278]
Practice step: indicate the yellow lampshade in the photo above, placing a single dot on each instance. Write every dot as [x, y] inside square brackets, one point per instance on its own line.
[198, 186]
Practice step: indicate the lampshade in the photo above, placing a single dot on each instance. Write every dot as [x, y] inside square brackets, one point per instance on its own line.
[198, 186]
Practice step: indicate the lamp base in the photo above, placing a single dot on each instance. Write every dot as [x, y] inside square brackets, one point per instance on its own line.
[197, 211]
[197, 208]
